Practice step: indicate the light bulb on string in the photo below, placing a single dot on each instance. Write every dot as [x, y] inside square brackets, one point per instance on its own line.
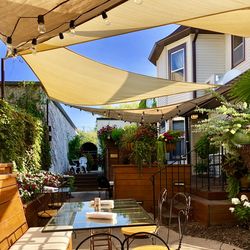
[33, 46]
[41, 25]
[14, 53]
[61, 36]
[105, 18]
[72, 27]
[9, 46]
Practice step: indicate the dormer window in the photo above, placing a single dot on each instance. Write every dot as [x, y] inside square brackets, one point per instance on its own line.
[177, 63]
[238, 50]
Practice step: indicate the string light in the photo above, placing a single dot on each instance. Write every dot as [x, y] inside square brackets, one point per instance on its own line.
[105, 18]
[33, 45]
[9, 46]
[72, 27]
[61, 36]
[41, 25]
[14, 53]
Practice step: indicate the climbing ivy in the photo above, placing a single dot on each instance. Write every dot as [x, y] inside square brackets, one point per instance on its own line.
[23, 131]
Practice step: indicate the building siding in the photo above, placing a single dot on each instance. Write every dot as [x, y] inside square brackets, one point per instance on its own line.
[162, 70]
[245, 65]
[210, 56]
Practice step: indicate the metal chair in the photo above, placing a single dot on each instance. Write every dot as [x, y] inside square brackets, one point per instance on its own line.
[102, 239]
[128, 231]
[182, 203]
[156, 238]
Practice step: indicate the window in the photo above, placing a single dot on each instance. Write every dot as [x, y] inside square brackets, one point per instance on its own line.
[238, 50]
[177, 63]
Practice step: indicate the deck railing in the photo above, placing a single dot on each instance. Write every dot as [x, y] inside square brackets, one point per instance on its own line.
[177, 175]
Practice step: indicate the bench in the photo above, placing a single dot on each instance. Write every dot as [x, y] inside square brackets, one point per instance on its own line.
[14, 231]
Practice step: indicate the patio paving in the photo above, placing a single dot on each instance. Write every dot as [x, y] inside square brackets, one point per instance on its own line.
[189, 243]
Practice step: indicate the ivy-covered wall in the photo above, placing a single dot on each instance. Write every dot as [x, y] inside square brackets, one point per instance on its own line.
[21, 138]
[50, 149]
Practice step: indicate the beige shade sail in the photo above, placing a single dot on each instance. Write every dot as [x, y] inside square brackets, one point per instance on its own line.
[158, 114]
[76, 80]
[19, 18]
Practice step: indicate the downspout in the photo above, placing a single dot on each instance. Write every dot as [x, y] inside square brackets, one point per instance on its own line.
[194, 59]
[187, 119]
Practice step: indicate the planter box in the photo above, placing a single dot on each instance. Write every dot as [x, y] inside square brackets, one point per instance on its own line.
[33, 207]
[129, 182]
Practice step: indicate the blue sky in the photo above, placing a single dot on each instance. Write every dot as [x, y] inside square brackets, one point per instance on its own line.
[129, 52]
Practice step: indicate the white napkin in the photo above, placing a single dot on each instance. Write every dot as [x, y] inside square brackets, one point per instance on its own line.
[101, 215]
[47, 189]
[105, 203]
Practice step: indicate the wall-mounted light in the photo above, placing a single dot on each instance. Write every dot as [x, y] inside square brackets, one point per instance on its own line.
[41, 25]
[194, 116]
[105, 18]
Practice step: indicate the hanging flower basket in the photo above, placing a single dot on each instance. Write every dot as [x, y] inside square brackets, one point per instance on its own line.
[170, 147]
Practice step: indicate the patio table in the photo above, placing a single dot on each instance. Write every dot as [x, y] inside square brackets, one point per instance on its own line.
[72, 216]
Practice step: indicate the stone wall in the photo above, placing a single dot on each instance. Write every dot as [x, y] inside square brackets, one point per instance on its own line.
[62, 131]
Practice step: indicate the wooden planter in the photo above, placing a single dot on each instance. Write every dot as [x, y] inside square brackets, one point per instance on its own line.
[33, 207]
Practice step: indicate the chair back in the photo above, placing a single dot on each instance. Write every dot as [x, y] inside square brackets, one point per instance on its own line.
[103, 237]
[182, 203]
[161, 201]
[156, 238]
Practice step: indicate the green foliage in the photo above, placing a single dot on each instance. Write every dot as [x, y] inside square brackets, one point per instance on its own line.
[241, 210]
[203, 147]
[90, 136]
[233, 186]
[142, 152]
[128, 135]
[74, 148]
[224, 122]
[201, 167]
[90, 161]
[21, 136]
[143, 104]
[241, 89]
[116, 135]
[161, 149]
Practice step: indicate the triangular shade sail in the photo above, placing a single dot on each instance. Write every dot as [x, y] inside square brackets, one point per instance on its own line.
[227, 16]
[153, 115]
[73, 79]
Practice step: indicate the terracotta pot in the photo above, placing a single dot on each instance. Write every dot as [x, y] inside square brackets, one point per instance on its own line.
[170, 147]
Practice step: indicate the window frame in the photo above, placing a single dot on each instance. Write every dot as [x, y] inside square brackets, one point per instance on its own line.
[233, 64]
[173, 51]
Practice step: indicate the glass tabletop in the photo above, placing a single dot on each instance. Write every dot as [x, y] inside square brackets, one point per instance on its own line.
[72, 216]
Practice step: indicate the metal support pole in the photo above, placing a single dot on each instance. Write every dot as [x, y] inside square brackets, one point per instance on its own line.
[2, 78]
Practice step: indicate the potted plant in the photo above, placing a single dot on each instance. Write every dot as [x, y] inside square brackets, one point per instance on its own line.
[170, 138]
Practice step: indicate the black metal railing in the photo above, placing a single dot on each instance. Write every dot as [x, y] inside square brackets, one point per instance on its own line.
[201, 175]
